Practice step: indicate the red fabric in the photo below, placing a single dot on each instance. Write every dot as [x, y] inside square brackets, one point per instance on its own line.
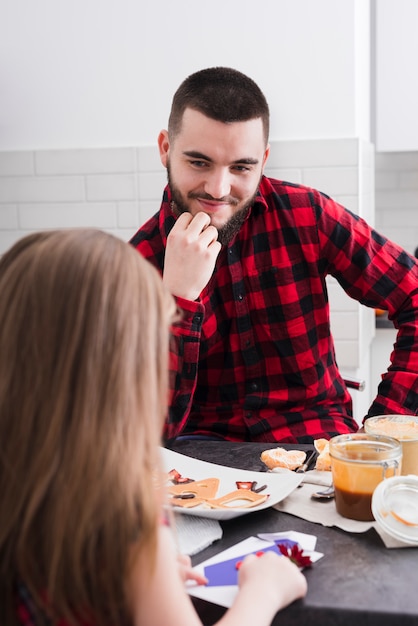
[27, 612]
[254, 359]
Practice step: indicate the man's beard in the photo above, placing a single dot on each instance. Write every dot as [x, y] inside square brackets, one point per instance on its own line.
[226, 232]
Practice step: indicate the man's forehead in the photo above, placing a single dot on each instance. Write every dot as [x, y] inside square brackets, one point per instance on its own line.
[198, 131]
[191, 116]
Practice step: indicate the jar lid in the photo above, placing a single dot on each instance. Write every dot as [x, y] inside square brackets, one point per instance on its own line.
[395, 508]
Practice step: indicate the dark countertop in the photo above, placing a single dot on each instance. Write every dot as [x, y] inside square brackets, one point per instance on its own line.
[358, 582]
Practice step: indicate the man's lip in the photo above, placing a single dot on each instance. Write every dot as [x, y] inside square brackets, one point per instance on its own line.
[210, 205]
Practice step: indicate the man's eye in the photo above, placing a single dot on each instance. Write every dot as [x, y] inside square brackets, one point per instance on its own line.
[198, 163]
[241, 168]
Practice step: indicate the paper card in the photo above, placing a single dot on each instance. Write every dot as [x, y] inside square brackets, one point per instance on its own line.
[225, 595]
[226, 572]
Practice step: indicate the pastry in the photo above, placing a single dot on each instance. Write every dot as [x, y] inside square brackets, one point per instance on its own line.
[323, 460]
[279, 457]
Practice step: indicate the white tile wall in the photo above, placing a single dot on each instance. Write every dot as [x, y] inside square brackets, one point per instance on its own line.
[22, 189]
[17, 163]
[58, 215]
[397, 197]
[117, 189]
[114, 161]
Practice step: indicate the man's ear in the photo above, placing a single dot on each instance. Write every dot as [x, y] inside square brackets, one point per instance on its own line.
[163, 146]
[266, 156]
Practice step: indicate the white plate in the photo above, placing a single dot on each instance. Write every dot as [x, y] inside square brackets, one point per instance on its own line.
[278, 485]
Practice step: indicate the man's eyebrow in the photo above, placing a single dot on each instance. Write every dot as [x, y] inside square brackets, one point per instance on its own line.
[199, 155]
[196, 155]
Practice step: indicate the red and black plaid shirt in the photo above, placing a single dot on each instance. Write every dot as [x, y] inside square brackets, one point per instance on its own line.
[30, 614]
[254, 357]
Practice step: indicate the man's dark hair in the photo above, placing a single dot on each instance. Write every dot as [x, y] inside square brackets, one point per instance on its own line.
[221, 93]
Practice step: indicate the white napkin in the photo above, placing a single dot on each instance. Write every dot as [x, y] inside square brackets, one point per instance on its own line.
[300, 504]
[313, 476]
[194, 534]
[318, 477]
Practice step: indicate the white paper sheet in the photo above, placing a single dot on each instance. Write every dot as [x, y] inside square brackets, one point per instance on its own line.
[224, 596]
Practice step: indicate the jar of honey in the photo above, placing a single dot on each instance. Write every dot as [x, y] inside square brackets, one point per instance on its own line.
[359, 462]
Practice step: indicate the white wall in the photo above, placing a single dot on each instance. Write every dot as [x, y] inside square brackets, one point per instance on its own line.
[101, 73]
[396, 75]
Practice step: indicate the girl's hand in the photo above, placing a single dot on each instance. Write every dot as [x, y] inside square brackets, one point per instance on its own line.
[272, 577]
[187, 573]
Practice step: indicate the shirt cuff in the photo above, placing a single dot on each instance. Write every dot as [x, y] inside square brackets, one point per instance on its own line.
[193, 313]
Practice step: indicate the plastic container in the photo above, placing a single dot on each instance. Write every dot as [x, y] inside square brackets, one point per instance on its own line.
[395, 508]
[359, 462]
[404, 428]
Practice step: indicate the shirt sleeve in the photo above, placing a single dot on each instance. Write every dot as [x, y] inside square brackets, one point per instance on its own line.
[184, 362]
[379, 274]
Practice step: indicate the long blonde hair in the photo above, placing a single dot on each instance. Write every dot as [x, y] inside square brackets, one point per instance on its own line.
[84, 331]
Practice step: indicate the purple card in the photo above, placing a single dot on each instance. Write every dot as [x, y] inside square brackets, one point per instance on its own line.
[226, 573]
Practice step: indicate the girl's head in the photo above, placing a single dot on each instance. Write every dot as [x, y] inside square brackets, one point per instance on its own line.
[84, 331]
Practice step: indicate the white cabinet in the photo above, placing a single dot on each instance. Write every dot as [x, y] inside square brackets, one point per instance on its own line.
[396, 60]
[381, 349]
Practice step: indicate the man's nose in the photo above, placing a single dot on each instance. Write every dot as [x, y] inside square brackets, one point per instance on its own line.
[218, 184]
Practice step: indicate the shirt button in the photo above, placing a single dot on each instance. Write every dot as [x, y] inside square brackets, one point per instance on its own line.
[240, 297]
[253, 386]
[247, 343]
[248, 415]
